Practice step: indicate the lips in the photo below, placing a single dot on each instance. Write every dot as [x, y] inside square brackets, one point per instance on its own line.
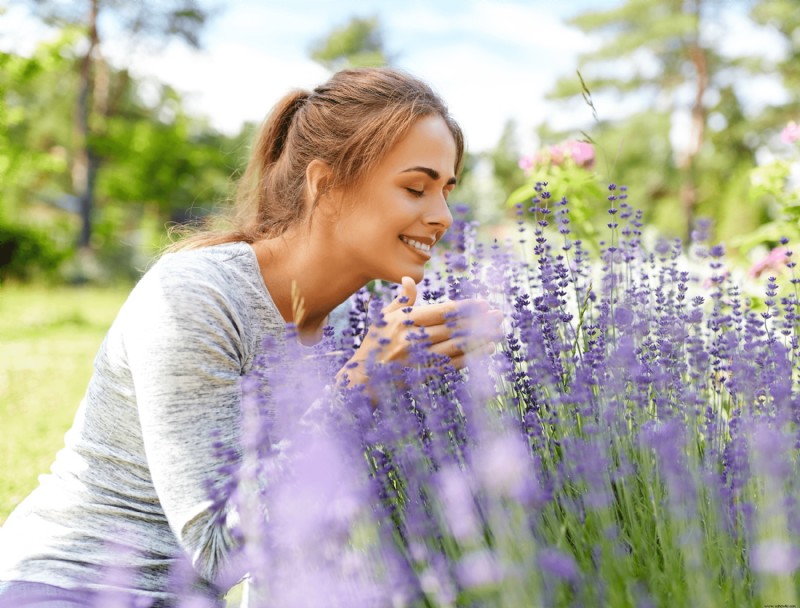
[417, 244]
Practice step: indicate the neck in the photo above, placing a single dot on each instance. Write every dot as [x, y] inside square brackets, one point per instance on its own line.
[304, 279]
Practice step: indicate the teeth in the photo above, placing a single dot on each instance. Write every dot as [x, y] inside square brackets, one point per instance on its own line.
[416, 244]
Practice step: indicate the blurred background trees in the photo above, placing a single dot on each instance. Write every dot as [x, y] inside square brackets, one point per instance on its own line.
[690, 142]
[94, 155]
[101, 89]
[152, 162]
[356, 44]
[94, 161]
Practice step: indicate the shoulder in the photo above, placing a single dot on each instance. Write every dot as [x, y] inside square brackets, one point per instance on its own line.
[218, 264]
[218, 281]
[218, 288]
[210, 299]
[229, 271]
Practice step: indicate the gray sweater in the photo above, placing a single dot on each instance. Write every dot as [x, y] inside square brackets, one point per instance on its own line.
[130, 486]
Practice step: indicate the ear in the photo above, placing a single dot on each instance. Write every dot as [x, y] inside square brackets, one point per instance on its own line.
[318, 178]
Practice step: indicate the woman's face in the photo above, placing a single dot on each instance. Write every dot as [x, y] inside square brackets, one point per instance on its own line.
[389, 224]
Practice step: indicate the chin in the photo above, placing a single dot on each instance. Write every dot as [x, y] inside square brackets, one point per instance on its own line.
[417, 274]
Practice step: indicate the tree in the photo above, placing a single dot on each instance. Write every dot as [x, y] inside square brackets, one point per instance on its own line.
[160, 164]
[505, 159]
[784, 17]
[161, 157]
[29, 156]
[32, 126]
[359, 43]
[669, 38]
[139, 20]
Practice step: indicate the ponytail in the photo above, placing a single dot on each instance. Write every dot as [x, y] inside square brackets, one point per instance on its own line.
[261, 190]
[275, 131]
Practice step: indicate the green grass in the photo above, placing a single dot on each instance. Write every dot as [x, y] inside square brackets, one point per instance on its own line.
[48, 340]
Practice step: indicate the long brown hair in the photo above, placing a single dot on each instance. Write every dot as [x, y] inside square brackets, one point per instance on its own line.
[350, 123]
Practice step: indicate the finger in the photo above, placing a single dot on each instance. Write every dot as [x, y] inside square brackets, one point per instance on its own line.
[461, 345]
[444, 312]
[459, 331]
[406, 297]
[450, 348]
[484, 327]
[461, 361]
[409, 287]
[488, 326]
[432, 334]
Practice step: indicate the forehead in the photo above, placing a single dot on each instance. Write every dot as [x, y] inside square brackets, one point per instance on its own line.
[428, 143]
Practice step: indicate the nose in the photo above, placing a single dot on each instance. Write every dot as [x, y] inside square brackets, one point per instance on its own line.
[439, 214]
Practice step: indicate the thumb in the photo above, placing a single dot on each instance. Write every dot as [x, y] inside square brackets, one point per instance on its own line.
[406, 297]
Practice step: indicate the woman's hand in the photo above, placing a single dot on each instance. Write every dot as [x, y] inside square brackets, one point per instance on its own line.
[454, 329]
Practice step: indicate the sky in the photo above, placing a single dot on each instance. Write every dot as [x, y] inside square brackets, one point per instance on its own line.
[491, 60]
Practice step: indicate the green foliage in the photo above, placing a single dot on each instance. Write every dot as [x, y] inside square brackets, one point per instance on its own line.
[662, 28]
[158, 164]
[505, 159]
[170, 161]
[152, 22]
[359, 43]
[149, 21]
[34, 122]
[783, 16]
[567, 179]
[26, 253]
[771, 185]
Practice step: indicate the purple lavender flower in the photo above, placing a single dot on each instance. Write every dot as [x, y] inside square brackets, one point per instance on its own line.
[558, 564]
[779, 557]
[478, 569]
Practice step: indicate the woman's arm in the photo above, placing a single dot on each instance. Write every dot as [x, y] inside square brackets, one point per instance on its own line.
[184, 345]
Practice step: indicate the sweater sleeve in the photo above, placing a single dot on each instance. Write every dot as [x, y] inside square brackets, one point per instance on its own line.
[183, 340]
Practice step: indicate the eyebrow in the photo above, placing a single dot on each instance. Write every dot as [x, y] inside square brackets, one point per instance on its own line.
[432, 173]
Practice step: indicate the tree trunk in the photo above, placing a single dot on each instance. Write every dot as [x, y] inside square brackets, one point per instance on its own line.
[697, 54]
[84, 169]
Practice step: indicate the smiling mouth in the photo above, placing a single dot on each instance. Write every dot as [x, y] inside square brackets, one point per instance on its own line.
[421, 247]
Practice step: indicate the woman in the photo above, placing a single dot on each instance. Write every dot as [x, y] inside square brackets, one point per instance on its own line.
[346, 184]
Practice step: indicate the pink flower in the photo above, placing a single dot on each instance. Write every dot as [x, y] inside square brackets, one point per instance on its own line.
[530, 161]
[790, 133]
[556, 154]
[775, 261]
[581, 152]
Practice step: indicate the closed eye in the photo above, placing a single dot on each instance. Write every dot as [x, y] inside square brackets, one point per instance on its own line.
[417, 193]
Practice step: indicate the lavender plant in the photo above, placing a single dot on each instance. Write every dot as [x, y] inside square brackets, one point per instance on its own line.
[633, 441]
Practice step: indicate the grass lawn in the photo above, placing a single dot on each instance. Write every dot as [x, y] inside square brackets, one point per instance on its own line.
[48, 339]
